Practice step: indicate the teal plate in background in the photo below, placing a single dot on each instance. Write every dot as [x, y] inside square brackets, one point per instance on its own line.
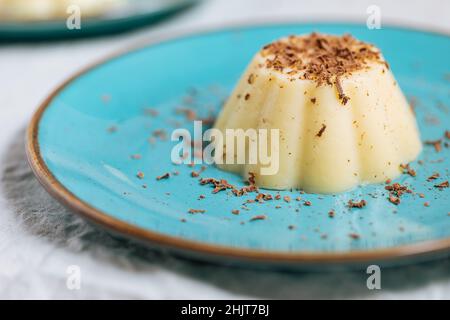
[135, 13]
[82, 140]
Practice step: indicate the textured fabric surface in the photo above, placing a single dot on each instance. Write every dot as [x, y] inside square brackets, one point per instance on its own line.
[39, 238]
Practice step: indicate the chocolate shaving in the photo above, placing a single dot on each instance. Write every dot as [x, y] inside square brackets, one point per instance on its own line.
[195, 174]
[164, 176]
[359, 204]
[244, 190]
[267, 197]
[354, 236]
[194, 211]
[207, 121]
[321, 131]
[251, 178]
[190, 114]
[435, 143]
[413, 104]
[434, 176]
[259, 217]
[344, 99]
[140, 175]
[222, 184]
[106, 98]
[407, 170]
[251, 78]
[151, 112]
[393, 199]
[261, 197]
[160, 133]
[397, 189]
[442, 185]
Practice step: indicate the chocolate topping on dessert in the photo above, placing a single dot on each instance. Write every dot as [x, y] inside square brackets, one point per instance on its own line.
[321, 131]
[321, 58]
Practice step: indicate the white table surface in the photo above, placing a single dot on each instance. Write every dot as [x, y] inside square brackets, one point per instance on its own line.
[39, 238]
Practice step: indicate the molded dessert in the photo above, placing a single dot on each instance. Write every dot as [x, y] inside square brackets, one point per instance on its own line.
[342, 118]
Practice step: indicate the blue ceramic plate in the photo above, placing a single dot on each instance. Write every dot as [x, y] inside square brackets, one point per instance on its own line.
[90, 139]
[134, 13]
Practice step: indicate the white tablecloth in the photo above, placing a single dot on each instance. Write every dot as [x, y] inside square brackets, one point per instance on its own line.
[39, 238]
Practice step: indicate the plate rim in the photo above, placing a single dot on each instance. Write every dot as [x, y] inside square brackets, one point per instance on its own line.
[194, 247]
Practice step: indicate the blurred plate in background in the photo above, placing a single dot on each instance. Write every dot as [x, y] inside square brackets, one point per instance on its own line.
[47, 19]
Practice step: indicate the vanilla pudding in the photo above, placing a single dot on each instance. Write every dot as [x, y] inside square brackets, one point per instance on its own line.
[342, 118]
